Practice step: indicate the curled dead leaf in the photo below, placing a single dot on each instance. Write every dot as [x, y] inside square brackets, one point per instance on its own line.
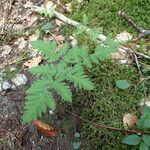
[129, 121]
[33, 62]
[45, 129]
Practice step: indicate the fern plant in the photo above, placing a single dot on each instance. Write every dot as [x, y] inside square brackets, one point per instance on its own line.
[65, 64]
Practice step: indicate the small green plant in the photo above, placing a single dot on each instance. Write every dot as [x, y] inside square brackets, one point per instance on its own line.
[65, 64]
[144, 125]
[122, 84]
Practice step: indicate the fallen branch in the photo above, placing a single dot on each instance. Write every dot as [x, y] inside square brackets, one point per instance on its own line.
[107, 127]
[143, 55]
[142, 32]
[140, 72]
[69, 21]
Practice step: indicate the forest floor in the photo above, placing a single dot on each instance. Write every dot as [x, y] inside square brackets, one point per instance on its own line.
[106, 105]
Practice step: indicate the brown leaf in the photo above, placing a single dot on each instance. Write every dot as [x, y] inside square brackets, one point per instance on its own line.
[45, 129]
[30, 20]
[5, 50]
[129, 121]
[33, 62]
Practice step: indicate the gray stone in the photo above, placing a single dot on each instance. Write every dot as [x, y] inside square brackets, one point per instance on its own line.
[20, 79]
[4, 85]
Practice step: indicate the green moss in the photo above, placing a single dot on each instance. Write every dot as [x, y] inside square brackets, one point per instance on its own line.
[104, 14]
[107, 104]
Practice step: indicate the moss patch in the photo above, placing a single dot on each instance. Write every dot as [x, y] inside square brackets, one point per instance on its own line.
[107, 104]
[104, 14]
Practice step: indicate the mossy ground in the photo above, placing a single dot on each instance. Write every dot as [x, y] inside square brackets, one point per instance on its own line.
[103, 14]
[107, 104]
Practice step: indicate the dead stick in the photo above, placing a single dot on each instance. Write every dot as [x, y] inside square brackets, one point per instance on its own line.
[108, 127]
[69, 21]
[142, 32]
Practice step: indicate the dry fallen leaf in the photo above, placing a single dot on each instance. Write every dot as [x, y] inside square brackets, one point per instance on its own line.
[21, 43]
[123, 37]
[129, 120]
[28, 4]
[60, 38]
[30, 20]
[45, 129]
[49, 4]
[33, 37]
[33, 62]
[5, 50]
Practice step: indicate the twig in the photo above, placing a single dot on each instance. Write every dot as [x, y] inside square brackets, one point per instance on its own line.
[69, 21]
[107, 127]
[143, 55]
[140, 72]
[142, 32]
[13, 62]
[135, 52]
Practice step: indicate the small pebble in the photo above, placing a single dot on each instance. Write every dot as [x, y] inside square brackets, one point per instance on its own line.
[4, 85]
[20, 79]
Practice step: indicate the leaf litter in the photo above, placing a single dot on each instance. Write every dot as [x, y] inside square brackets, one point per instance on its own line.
[19, 52]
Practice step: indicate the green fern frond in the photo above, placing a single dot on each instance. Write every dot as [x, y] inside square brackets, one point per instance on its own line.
[42, 70]
[103, 52]
[63, 90]
[77, 76]
[80, 29]
[46, 12]
[63, 65]
[57, 55]
[73, 55]
[47, 48]
[78, 55]
[38, 85]
[81, 81]
[36, 104]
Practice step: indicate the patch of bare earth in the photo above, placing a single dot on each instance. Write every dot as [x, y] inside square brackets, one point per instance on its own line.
[16, 17]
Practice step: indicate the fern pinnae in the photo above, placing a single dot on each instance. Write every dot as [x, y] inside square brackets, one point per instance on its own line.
[63, 65]
[62, 89]
[47, 48]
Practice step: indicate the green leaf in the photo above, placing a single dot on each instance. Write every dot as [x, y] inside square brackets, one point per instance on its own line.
[85, 19]
[132, 139]
[36, 104]
[93, 34]
[77, 135]
[44, 11]
[63, 90]
[122, 84]
[80, 30]
[47, 26]
[76, 145]
[102, 52]
[143, 146]
[47, 48]
[146, 110]
[140, 123]
[146, 125]
[143, 122]
[146, 139]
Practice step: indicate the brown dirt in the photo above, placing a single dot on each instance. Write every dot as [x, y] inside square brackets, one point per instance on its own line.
[16, 136]
[13, 134]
